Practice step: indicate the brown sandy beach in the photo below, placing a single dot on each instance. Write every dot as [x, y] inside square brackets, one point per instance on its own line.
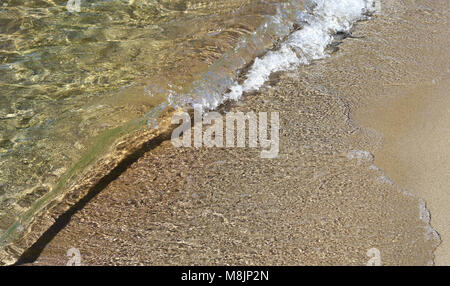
[416, 148]
[323, 201]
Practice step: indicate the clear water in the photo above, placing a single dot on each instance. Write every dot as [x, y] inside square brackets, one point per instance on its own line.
[70, 83]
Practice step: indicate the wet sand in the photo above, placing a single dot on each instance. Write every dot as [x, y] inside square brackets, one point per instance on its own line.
[322, 202]
[416, 150]
[412, 117]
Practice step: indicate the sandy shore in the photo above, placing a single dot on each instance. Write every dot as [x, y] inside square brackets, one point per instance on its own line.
[322, 202]
[413, 118]
[416, 150]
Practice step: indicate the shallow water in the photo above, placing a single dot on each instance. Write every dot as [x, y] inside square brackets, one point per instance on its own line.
[322, 202]
[71, 83]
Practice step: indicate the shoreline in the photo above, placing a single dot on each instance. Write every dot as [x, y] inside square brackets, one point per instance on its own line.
[417, 147]
[315, 205]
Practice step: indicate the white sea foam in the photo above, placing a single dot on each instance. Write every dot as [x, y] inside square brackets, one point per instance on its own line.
[319, 21]
[360, 155]
[327, 18]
